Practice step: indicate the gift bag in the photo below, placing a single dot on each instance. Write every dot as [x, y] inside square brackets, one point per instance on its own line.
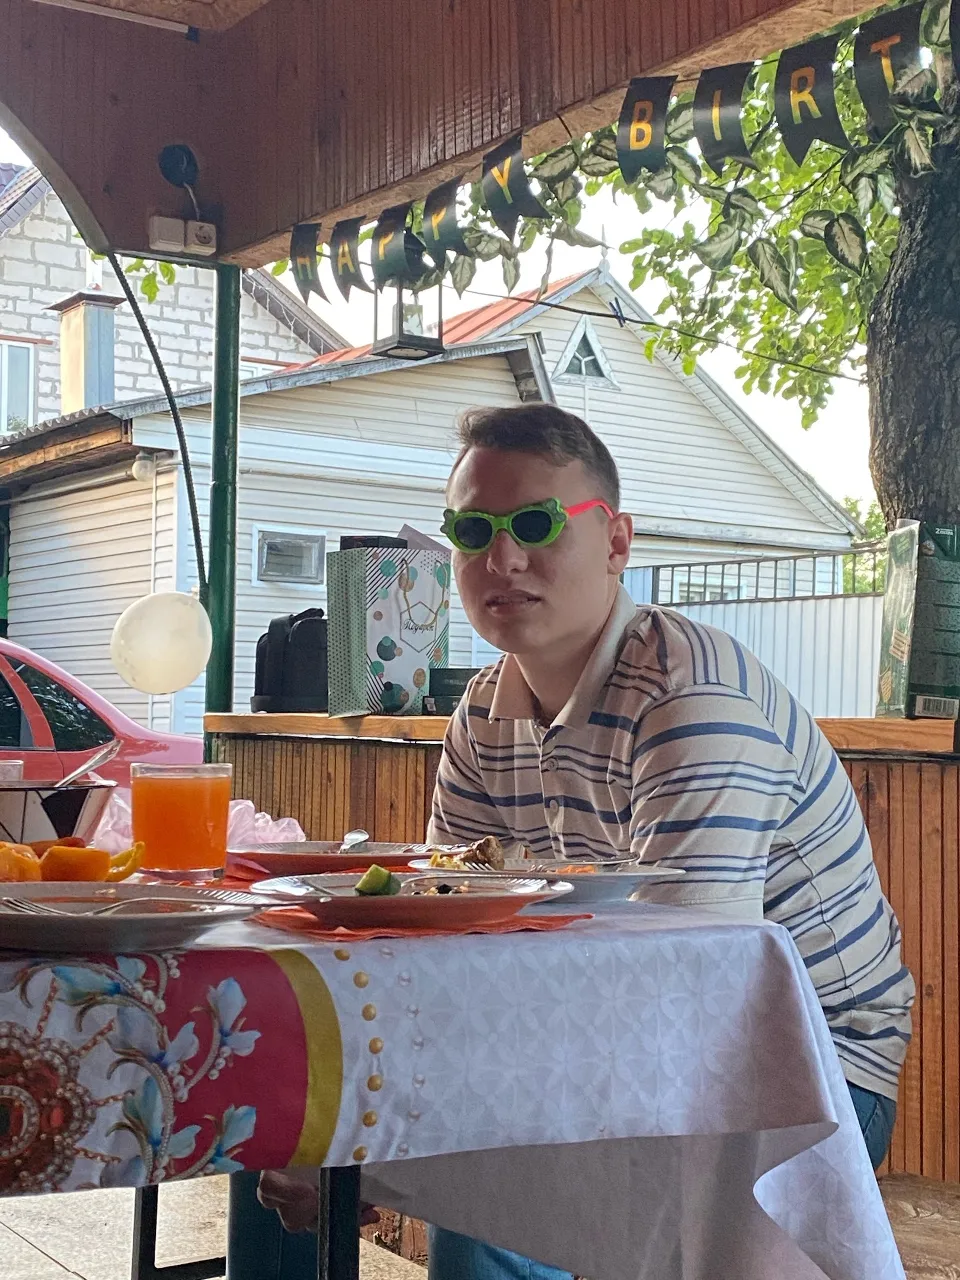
[389, 623]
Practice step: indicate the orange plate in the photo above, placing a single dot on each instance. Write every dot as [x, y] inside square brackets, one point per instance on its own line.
[313, 857]
[486, 903]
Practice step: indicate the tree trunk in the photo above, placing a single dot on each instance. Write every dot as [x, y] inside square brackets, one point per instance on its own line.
[913, 352]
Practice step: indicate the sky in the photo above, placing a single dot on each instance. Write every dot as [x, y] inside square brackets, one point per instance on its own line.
[834, 450]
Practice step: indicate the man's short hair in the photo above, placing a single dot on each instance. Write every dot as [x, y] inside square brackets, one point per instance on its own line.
[545, 430]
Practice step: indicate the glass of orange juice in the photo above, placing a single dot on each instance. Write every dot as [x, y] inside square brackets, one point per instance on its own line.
[180, 813]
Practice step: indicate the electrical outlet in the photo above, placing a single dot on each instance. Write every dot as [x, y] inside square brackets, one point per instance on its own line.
[167, 235]
[201, 238]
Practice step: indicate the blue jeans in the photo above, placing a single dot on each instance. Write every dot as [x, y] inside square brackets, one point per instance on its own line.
[456, 1257]
[876, 1115]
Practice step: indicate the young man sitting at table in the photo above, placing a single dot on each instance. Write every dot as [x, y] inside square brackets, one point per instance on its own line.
[612, 727]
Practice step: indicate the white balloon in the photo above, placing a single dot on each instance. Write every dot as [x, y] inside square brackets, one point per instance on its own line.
[162, 642]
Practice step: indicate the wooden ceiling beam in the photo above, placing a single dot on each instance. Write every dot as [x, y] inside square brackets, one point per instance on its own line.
[312, 110]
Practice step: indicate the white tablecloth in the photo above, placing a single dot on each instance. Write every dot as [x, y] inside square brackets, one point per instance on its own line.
[671, 1079]
[648, 1095]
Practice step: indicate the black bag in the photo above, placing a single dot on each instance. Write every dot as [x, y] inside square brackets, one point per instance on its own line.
[291, 673]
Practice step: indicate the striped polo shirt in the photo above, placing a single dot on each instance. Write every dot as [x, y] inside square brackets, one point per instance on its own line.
[679, 746]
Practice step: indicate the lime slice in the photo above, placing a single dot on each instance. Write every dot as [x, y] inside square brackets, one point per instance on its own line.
[377, 881]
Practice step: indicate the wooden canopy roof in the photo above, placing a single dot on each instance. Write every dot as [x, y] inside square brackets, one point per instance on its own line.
[306, 110]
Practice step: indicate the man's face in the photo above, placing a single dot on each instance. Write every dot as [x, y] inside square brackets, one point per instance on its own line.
[526, 600]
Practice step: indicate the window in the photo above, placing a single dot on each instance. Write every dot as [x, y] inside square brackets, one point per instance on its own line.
[584, 363]
[290, 556]
[73, 725]
[14, 730]
[584, 359]
[16, 386]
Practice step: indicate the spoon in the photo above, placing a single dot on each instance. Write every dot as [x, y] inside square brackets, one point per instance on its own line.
[352, 839]
[101, 756]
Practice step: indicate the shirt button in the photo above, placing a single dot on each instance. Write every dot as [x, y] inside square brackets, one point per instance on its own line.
[553, 804]
[549, 765]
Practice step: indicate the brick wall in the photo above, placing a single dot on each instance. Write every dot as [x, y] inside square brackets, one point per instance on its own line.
[43, 260]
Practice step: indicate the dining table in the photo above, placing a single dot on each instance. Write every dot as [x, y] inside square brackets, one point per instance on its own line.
[638, 1093]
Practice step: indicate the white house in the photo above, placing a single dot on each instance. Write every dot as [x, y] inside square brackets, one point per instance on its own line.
[349, 443]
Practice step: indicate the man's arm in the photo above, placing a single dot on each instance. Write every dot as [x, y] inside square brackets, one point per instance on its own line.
[712, 783]
[462, 809]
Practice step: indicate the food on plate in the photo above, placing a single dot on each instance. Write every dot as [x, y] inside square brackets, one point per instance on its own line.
[18, 863]
[40, 847]
[377, 882]
[576, 869]
[487, 852]
[437, 889]
[70, 862]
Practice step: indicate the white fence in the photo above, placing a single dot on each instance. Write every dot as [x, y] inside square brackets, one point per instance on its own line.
[824, 649]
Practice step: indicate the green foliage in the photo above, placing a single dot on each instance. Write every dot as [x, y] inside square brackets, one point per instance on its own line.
[866, 571]
[779, 261]
[870, 519]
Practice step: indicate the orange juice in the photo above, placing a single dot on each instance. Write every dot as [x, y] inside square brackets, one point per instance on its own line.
[180, 813]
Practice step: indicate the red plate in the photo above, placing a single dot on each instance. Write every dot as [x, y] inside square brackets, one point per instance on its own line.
[488, 900]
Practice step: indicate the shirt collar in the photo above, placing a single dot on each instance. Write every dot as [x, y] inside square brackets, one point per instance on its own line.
[513, 699]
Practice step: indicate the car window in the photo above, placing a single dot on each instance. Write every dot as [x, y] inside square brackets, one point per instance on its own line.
[14, 729]
[73, 725]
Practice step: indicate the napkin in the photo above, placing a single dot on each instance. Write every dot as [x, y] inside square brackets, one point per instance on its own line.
[297, 920]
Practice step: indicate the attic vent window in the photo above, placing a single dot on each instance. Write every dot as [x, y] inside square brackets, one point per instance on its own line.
[584, 363]
[583, 359]
[291, 557]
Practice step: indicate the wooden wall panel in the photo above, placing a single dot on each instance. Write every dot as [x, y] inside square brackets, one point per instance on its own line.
[332, 785]
[912, 808]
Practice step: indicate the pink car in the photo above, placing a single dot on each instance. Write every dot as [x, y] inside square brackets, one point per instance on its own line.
[53, 722]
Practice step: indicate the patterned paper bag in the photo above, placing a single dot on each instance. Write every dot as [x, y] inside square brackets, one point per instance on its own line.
[389, 616]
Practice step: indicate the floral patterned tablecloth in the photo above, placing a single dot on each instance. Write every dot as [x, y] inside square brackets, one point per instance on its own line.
[652, 1092]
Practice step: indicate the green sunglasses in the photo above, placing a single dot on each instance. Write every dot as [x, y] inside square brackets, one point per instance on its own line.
[535, 526]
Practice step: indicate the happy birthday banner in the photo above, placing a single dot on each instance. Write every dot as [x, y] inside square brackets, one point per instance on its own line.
[886, 50]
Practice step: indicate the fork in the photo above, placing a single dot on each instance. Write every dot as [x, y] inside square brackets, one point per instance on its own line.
[34, 907]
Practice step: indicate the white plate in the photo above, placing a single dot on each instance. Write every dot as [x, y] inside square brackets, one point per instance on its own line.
[614, 881]
[487, 899]
[166, 924]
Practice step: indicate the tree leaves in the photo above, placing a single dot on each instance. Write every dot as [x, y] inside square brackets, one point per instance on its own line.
[846, 241]
[772, 269]
[567, 189]
[556, 165]
[682, 162]
[663, 184]
[720, 249]
[482, 244]
[887, 190]
[680, 120]
[511, 273]
[864, 191]
[815, 222]
[462, 272]
[573, 235]
[916, 150]
[935, 25]
[866, 161]
[915, 86]
[594, 165]
[168, 272]
[150, 286]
